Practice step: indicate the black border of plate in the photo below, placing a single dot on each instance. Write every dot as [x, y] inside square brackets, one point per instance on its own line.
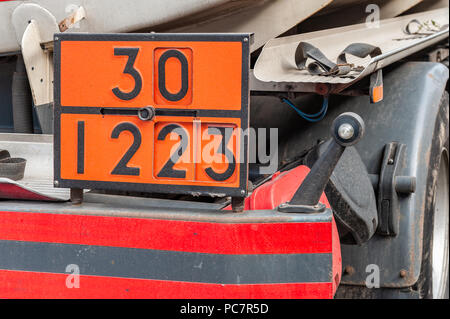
[244, 38]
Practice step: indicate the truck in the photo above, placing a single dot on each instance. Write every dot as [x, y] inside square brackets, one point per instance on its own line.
[255, 149]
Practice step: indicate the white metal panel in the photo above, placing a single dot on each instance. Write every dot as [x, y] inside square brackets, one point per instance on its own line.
[8, 40]
[39, 65]
[104, 16]
[266, 20]
[346, 12]
[276, 62]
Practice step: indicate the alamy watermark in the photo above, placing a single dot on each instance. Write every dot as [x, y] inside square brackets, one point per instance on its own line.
[73, 279]
[373, 19]
[221, 144]
[373, 277]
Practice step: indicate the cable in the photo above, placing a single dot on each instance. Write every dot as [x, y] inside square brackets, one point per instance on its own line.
[310, 117]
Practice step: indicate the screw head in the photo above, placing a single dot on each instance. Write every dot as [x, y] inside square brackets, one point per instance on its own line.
[346, 131]
[349, 270]
[146, 113]
[56, 183]
[403, 273]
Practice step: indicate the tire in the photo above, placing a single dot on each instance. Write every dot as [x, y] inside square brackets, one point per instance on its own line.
[434, 276]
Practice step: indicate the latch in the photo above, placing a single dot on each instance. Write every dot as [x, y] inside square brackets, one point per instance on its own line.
[388, 185]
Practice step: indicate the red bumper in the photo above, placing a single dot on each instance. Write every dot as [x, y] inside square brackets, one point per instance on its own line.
[126, 253]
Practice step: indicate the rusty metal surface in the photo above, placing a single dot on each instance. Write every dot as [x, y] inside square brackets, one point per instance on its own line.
[71, 20]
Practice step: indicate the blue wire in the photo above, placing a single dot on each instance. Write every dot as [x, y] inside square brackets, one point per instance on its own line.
[311, 117]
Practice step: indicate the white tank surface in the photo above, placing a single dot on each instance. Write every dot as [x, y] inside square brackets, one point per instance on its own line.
[266, 19]
[346, 12]
[106, 16]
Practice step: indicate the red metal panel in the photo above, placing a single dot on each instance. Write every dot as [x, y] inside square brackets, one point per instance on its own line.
[8, 191]
[280, 189]
[172, 235]
[20, 284]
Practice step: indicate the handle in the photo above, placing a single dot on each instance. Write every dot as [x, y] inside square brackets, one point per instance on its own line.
[347, 130]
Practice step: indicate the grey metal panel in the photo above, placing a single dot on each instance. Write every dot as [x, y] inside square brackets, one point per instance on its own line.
[138, 208]
[407, 115]
[7, 68]
[412, 93]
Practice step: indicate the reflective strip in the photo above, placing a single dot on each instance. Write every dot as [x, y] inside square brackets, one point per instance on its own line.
[166, 265]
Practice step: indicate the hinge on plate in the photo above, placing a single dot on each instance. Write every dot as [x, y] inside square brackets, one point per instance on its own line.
[389, 183]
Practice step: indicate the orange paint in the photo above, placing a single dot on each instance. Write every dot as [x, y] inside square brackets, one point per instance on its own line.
[183, 76]
[377, 94]
[90, 70]
[102, 152]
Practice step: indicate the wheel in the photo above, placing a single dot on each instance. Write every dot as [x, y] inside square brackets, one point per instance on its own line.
[440, 284]
[433, 280]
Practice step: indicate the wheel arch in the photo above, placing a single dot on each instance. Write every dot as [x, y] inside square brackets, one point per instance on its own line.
[408, 113]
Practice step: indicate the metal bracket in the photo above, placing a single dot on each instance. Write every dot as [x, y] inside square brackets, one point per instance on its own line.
[388, 184]
[71, 20]
[237, 204]
[307, 209]
[76, 196]
[35, 26]
[27, 12]
[258, 87]
[39, 66]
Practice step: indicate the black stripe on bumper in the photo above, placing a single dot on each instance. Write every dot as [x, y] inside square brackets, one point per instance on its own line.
[166, 265]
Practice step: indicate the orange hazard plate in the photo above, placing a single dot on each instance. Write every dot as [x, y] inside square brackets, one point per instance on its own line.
[165, 113]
